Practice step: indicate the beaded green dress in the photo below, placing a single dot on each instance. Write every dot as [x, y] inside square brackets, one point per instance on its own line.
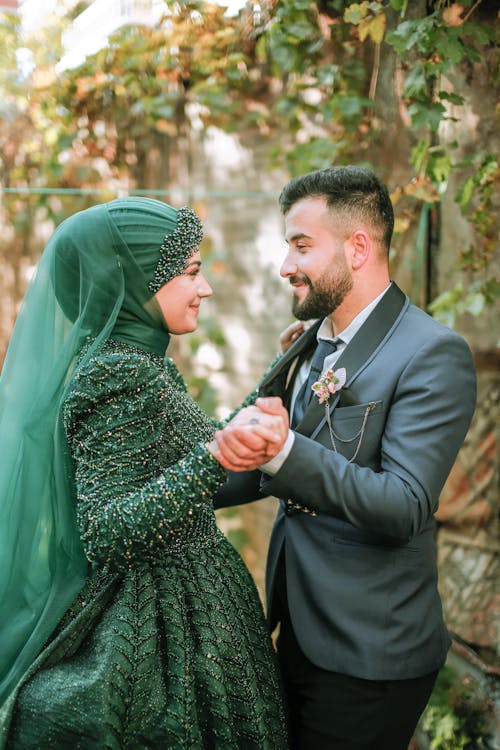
[166, 646]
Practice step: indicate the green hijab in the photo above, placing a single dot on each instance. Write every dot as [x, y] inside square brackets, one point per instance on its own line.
[93, 282]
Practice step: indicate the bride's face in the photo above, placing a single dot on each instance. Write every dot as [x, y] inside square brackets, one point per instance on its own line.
[180, 298]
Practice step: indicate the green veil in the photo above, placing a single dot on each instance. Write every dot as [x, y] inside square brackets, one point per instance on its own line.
[91, 281]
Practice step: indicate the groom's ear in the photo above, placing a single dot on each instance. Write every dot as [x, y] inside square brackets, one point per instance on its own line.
[359, 246]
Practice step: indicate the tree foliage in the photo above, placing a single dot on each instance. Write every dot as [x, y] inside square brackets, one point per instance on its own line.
[304, 74]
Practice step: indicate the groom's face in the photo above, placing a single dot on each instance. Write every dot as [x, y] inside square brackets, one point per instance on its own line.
[315, 264]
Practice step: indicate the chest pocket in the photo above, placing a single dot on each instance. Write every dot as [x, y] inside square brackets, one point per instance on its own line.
[355, 432]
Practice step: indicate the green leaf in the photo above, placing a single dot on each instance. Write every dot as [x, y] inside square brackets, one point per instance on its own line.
[444, 309]
[418, 33]
[261, 48]
[350, 106]
[400, 38]
[328, 75]
[450, 96]
[488, 169]
[481, 33]
[474, 303]
[491, 289]
[465, 193]
[399, 5]
[419, 154]
[451, 50]
[316, 154]
[439, 166]
[300, 30]
[426, 114]
[355, 13]
[416, 83]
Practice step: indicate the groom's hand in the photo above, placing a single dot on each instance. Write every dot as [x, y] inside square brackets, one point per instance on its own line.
[255, 435]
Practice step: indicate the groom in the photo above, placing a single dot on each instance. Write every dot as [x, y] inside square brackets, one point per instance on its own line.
[351, 571]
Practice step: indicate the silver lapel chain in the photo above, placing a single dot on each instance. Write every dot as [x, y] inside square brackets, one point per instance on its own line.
[371, 406]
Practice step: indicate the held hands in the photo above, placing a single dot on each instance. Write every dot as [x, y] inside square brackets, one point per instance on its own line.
[255, 435]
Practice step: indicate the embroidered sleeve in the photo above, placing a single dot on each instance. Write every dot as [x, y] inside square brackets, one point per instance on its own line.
[130, 507]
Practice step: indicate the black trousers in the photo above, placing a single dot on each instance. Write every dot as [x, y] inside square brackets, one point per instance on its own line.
[332, 711]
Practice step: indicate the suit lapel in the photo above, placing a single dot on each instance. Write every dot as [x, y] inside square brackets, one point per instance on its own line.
[275, 382]
[358, 352]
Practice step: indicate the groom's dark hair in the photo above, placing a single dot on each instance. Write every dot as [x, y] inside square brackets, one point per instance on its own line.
[353, 190]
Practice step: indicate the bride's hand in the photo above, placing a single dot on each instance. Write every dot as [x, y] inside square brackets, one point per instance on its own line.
[290, 334]
[253, 436]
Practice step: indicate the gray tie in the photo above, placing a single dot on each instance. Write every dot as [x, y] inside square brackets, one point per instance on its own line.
[303, 398]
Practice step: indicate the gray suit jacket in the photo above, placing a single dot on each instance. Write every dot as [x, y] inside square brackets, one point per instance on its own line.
[358, 533]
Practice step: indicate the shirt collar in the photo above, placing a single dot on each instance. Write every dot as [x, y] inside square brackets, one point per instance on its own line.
[325, 329]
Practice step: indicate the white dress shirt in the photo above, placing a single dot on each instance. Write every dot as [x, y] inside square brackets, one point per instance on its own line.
[324, 332]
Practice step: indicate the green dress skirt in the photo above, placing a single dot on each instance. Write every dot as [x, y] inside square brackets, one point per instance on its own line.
[166, 647]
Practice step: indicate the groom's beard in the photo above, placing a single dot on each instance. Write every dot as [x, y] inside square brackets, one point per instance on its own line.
[324, 296]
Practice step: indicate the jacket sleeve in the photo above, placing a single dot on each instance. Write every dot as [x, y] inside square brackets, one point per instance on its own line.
[241, 487]
[426, 422]
[128, 505]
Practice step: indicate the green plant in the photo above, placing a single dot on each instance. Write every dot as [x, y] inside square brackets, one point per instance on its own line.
[458, 716]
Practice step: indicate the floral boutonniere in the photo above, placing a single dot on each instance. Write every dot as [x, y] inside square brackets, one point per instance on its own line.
[328, 384]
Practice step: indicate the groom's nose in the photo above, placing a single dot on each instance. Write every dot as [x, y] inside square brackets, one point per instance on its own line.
[289, 266]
